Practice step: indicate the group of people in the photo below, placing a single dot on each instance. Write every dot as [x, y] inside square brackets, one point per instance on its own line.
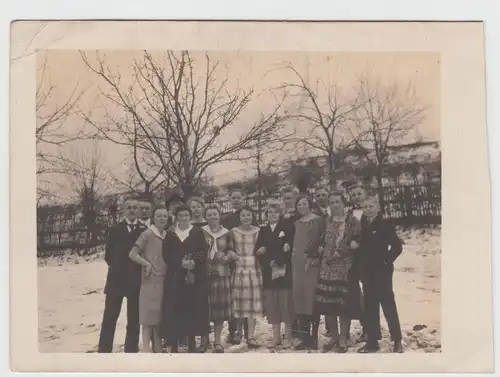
[185, 265]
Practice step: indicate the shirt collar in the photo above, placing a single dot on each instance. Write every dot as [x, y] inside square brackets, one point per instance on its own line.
[131, 222]
[157, 232]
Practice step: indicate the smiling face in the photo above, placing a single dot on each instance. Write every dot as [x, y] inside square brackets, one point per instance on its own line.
[321, 197]
[183, 218]
[130, 209]
[358, 196]
[273, 215]
[196, 209]
[246, 217]
[161, 218]
[145, 210]
[303, 206]
[213, 217]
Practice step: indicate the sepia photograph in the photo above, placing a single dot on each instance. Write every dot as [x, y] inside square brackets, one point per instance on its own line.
[231, 201]
[282, 203]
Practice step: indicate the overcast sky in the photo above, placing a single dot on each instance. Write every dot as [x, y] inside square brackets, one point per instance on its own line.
[248, 69]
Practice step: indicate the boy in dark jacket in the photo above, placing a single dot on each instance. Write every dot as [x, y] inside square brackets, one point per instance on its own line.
[379, 249]
[273, 250]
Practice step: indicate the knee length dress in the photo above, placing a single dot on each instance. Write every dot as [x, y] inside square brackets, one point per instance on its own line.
[305, 263]
[334, 295]
[220, 298]
[185, 305]
[149, 246]
[247, 275]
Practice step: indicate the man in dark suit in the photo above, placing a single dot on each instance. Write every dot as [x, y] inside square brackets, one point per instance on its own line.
[145, 210]
[229, 221]
[357, 195]
[123, 281]
[321, 207]
[379, 249]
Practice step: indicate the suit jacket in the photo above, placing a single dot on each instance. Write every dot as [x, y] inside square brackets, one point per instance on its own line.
[124, 275]
[380, 246]
[273, 243]
[231, 220]
[289, 220]
[317, 210]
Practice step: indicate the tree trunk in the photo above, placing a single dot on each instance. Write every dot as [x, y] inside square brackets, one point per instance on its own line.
[331, 168]
[188, 189]
[380, 189]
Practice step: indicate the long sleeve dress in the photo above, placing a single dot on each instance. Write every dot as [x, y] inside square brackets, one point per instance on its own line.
[185, 305]
[149, 246]
[220, 296]
[247, 275]
[334, 295]
[305, 263]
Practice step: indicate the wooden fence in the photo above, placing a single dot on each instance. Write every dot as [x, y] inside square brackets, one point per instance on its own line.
[410, 204]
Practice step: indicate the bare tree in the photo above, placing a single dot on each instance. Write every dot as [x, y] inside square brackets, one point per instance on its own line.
[50, 133]
[86, 176]
[327, 114]
[143, 175]
[389, 116]
[186, 120]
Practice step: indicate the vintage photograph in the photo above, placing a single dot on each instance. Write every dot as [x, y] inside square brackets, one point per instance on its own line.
[194, 201]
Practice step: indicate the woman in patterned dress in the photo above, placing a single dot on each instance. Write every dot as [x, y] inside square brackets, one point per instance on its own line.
[220, 257]
[147, 252]
[307, 248]
[185, 302]
[247, 275]
[333, 297]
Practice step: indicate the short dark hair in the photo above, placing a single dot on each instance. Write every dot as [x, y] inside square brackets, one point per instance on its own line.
[338, 193]
[182, 207]
[307, 197]
[246, 207]
[158, 207]
[174, 198]
[356, 186]
[321, 187]
[197, 199]
[213, 206]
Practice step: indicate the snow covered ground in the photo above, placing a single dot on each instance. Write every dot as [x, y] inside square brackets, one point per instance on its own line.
[71, 301]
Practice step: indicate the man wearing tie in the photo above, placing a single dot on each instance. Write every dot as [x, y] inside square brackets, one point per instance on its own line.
[322, 207]
[380, 247]
[357, 195]
[123, 280]
[145, 208]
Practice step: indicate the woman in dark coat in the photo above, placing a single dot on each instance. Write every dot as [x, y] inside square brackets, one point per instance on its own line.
[306, 256]
[274, 253]
[185, 303]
